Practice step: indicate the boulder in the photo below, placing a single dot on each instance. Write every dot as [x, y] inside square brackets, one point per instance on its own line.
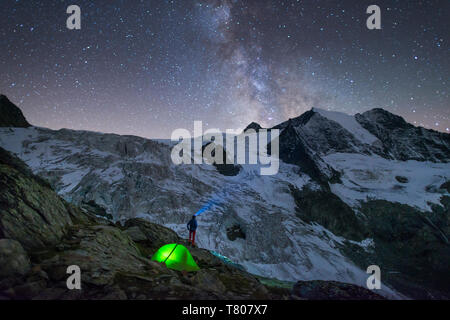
[31, 212]
[13, 259]
[205, 280]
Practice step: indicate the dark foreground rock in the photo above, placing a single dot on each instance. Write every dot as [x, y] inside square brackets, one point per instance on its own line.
[332, 290]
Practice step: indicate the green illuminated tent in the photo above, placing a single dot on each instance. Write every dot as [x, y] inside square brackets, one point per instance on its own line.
[176, 257]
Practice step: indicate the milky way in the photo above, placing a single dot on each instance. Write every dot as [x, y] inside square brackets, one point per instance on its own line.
[148, 67]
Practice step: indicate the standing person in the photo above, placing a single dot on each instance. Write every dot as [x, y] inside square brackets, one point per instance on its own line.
[192, 226]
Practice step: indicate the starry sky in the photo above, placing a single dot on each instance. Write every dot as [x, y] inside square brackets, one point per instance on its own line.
[148, 67]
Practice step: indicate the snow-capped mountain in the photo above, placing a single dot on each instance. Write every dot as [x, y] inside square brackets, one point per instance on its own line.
[403, 141]
[373, 132]
[331, 211]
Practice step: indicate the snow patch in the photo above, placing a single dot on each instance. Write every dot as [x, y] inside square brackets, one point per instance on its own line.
[373, 177]
[349, 123]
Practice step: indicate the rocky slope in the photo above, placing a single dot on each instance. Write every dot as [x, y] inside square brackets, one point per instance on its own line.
[11, 115]
[337, 178]
[318, 133]
[403, 141]
[41, 235]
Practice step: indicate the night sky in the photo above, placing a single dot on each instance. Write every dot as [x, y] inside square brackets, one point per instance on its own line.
[148, 67]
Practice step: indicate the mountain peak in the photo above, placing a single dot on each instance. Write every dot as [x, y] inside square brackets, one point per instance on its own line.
[255, 126]
[12, 116]
[386, 118]
[349, 123]
[297, 121]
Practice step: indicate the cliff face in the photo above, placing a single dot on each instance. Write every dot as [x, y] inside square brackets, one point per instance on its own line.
[403, 141]
[11, 115]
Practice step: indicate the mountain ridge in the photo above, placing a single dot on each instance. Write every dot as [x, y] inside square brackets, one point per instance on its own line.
[329, 135]
[134, 177]
[16, 118]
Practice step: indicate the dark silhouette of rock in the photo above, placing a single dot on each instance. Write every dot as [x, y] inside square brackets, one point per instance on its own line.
[255, 126]
[11, 115]
[332, 290]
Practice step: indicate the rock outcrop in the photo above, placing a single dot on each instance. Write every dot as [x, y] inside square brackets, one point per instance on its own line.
[403, 141]
[11, 115]
[13, 258]
[253, 126]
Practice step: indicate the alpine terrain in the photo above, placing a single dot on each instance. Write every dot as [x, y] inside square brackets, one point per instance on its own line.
[351, 192]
